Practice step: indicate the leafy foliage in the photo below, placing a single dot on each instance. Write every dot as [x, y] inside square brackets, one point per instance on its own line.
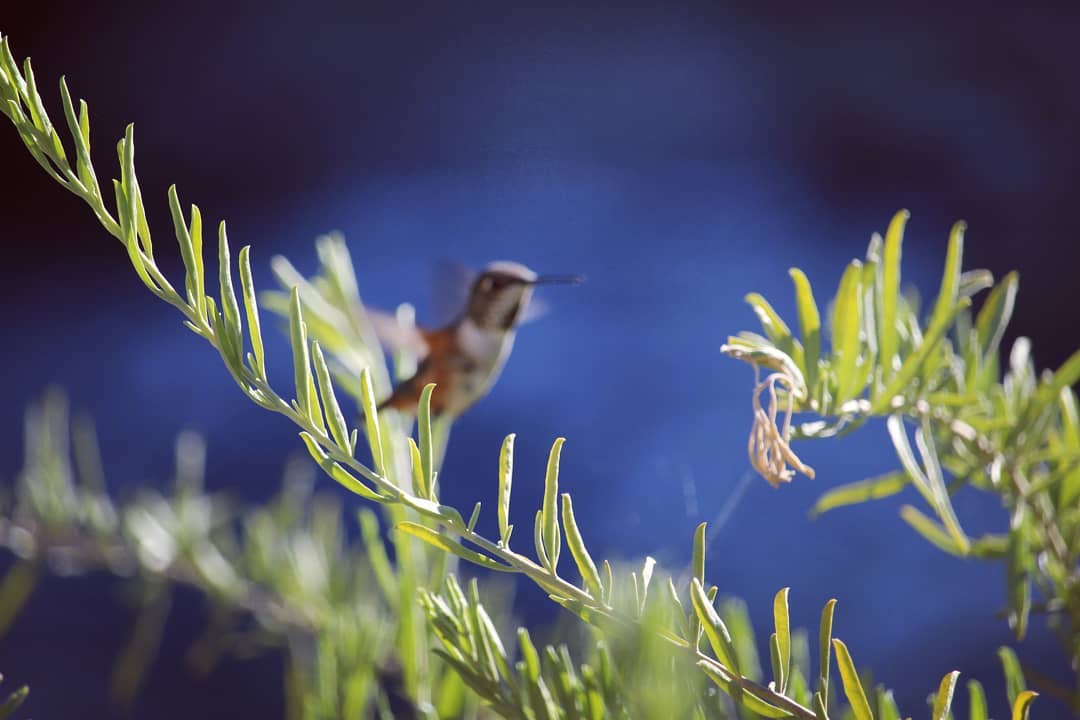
[1009, 432]
[333, 348]
[284, 576]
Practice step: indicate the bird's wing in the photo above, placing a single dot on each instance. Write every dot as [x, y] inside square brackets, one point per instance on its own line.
[396, 336]
[450, 284]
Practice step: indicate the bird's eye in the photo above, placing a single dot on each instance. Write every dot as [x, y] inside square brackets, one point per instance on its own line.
[487, 284]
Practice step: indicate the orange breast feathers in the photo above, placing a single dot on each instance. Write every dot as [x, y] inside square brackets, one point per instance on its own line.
[437, 367]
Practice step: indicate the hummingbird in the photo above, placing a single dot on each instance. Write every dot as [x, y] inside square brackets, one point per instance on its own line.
[465, 357]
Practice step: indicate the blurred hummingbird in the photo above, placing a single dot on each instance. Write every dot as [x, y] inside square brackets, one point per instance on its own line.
[465, 356]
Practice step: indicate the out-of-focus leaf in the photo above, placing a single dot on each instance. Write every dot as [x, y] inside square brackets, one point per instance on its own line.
[809, 327]
[782, 623]
[976, 701]
[846, 322]
[930, 530]
[950, 279]
[714, 627]
[506, 476]
[775, 328]
[584, 561]
[1014, 676]
[886, 704]
[914, 362]
[924, 440]
[749, 701]
[13, 701]
[854, 493]
[1018, 562]
[943, 700]
[889, 293]
[825, 650]
[995, 314]
[1022, 704]
[437, 539]
[853, 688]
[550, 508]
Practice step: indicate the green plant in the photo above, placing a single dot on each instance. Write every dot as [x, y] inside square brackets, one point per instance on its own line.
[1008, 432]
[334, 348]
[265, 574]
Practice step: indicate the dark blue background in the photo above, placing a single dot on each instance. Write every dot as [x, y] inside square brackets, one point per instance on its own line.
[679, 156]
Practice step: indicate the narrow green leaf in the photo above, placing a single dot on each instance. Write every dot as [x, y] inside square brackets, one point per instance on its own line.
[474, 518]
[698, 566]
[1022, 705]
[779, 678]
[995, 314]
[950, 279]
[924, 440]
[943, 700]
[538, 538]
[646, 579]
[506, 477]
[129, 239]
[976, 701]
[419, 486]
[886, 704]
[714, 627]
[825, 648]
[335, 419]
[852, 687]
[442, 542]
[854, 493]
[230, 307]
[809, 328]
[914, 362]
[550, 508]
[337, 472]
[930, 530]
[251, 307]
[1069, 491]
[899, 437]
[1018, 560]
[1014, 676]
[581, 556]
[371, 419]
[84, 166]
[424, 435]
[846, 322]
[751, 702]
[529, 654]
[13, 701]
[376, 556]
[775, 328]
[782, 622]
[301, 359]
[890, 293]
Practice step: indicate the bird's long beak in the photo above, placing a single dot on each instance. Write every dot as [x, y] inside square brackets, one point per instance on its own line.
[558, 280]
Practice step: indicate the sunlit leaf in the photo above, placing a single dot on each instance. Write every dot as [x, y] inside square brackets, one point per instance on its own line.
[854, 493]
[550, 508]
[853, 688]
[782, 623]
[846, 323]
[944, 697]
[441, 541]
[890, 292]
[976, 701]
[809, 327]
[1022, 704]
[506, 476]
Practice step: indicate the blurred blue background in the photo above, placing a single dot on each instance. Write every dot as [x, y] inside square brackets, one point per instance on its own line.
[678, 155]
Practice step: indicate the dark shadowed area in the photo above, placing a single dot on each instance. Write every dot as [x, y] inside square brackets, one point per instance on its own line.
[679, 157]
